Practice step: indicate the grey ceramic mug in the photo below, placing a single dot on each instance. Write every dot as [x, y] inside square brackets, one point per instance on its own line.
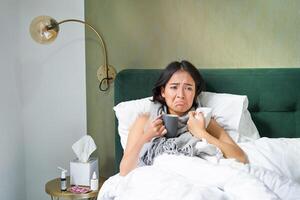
[171, 124]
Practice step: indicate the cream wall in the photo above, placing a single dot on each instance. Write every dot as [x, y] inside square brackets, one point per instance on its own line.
[42, 97]
[12, 163]
[53, 92]
[209, 33]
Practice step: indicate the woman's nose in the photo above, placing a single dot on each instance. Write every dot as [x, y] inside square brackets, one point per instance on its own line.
[180, 93]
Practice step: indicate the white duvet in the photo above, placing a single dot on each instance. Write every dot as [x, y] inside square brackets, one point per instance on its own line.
[273, 173]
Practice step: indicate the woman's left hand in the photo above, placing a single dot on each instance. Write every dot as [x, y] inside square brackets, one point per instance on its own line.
[215, 135]
[196, 125]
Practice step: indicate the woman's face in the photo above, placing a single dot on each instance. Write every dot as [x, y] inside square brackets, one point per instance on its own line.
[179, 92]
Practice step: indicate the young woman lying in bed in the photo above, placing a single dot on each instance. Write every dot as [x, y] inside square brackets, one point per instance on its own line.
[202, 162]
[177, 90]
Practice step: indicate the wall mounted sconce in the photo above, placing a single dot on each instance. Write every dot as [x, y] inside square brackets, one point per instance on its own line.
[44, 30]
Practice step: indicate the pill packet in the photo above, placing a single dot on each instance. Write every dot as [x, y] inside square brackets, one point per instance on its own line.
[79, 189]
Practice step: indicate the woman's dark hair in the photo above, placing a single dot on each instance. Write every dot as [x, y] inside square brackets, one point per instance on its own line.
[168, 72]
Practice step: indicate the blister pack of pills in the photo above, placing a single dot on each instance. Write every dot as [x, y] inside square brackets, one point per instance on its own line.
[79, 189]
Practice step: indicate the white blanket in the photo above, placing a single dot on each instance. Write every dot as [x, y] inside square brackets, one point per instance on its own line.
[180, 177]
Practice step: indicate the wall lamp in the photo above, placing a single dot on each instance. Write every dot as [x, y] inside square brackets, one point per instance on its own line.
[44, 30]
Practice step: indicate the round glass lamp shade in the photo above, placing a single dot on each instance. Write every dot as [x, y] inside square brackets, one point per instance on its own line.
[44, 29]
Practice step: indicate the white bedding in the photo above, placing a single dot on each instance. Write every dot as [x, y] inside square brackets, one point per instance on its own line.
[180, 177]
[280, 155]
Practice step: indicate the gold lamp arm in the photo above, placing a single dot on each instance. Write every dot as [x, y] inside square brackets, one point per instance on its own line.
[103, 78]
[44, 30]
[92, 28]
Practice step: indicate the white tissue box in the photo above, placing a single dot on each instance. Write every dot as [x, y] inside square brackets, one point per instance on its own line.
[81, 173]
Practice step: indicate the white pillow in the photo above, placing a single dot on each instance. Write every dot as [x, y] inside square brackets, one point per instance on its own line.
[127, 112]
[277, 154]
[247, 129]
[229, 110]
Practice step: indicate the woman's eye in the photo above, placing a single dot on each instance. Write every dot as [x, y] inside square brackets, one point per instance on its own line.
[173, 87]
[189, 88]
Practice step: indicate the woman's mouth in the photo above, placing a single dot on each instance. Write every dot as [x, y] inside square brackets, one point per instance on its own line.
[179, 103]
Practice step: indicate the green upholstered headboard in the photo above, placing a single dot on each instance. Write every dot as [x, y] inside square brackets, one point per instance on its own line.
[274, 95]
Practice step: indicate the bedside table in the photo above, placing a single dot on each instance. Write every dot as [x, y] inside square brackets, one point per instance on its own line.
[53, 189]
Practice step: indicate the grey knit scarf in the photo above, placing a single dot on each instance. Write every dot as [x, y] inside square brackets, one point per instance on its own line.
[184, 143]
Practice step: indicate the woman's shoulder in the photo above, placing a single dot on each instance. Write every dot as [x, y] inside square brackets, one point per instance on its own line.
[141, 120]
[143, 117]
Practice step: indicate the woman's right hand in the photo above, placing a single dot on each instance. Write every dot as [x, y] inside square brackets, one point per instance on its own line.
[155, 128]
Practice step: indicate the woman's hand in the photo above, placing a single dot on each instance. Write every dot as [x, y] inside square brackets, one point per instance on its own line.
[196, 124]
[155, 128]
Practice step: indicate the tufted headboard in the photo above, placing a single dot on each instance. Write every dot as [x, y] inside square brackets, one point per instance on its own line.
[274, 95]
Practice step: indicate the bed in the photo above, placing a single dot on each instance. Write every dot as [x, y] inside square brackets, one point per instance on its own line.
[274, 104]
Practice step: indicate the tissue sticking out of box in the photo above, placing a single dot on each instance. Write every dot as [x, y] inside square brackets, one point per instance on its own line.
[84, 147]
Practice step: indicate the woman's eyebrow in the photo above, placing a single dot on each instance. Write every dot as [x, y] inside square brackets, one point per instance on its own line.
[188, 84]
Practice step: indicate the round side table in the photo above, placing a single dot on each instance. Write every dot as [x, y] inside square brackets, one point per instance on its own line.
[52, 188]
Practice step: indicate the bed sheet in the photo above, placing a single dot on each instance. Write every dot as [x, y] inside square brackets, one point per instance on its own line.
[182, 177]
[277, 154]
